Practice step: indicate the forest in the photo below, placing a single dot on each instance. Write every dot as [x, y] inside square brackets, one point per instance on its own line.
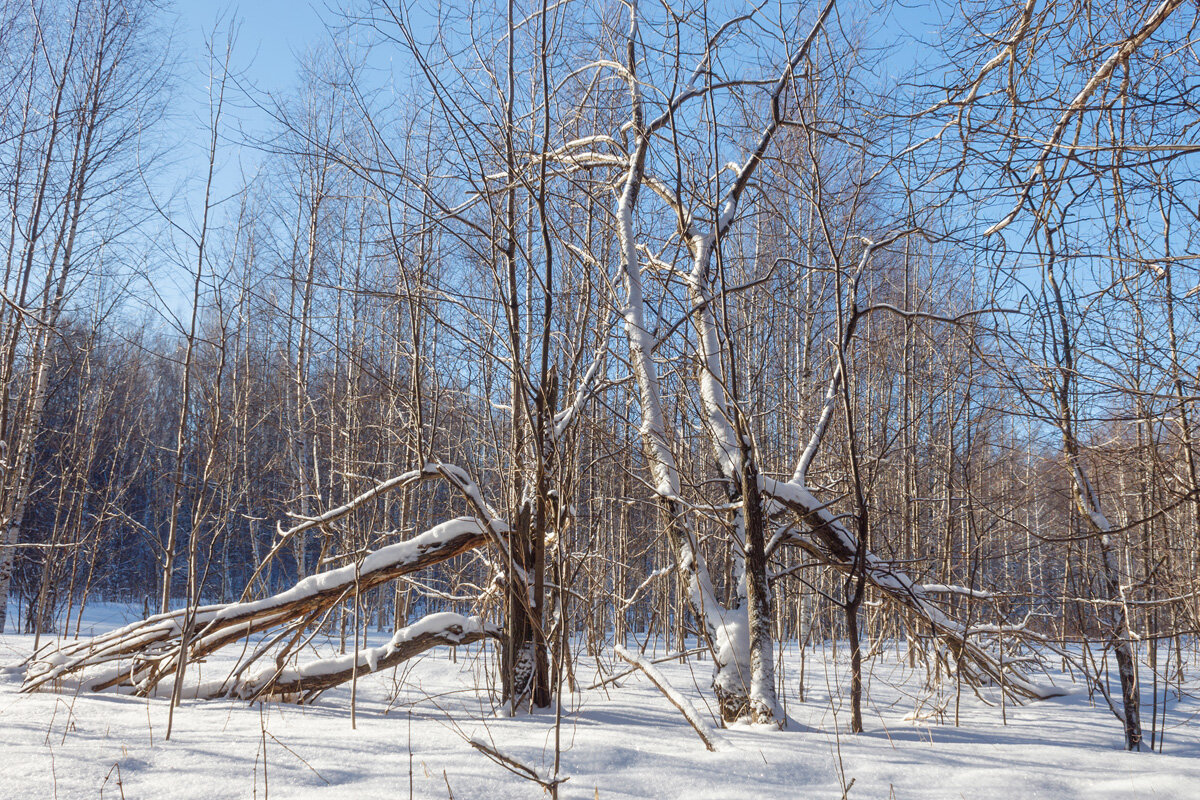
[779, 359]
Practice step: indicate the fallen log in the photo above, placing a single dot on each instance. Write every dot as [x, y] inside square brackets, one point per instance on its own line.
[137, 657]
[303, 682]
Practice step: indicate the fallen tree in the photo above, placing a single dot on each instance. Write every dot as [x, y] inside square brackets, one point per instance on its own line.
[140, 656]
[304, 682]
[143, 656]
[823, 536]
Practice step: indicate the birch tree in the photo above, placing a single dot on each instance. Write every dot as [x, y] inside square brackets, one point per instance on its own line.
[85, 69]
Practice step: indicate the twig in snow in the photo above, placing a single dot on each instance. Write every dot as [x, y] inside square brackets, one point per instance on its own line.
[660, 660]
[698, 723]
[514, 766]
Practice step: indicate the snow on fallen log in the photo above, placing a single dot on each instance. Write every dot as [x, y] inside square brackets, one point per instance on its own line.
[303, 682]
[838, 546]
[949, 588]
[140, 655]
[455, 476]
[703, 729]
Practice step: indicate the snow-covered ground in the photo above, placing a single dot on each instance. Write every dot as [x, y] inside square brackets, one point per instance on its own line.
[624, 740]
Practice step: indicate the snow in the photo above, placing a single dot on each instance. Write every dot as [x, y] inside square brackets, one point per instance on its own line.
[731, 640]
[434, 623]
[949, 588]
[708, 349]
[387, 556]
[54, 660]
[708, 733]
[622, 740]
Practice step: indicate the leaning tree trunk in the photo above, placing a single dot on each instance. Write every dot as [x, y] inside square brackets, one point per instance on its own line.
[1120, 637]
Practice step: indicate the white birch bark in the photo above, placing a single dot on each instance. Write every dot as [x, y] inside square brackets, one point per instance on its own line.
[724, 629]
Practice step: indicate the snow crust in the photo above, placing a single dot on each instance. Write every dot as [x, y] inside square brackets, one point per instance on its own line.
[623, 740]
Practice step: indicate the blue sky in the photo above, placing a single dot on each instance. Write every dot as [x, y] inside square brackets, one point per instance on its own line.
[271, 37]
[272, 33]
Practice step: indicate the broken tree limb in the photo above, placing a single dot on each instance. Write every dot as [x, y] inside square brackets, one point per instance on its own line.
[837, 545]
[514, 766]
[455, 476]
[616, 676]
[705, 731]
